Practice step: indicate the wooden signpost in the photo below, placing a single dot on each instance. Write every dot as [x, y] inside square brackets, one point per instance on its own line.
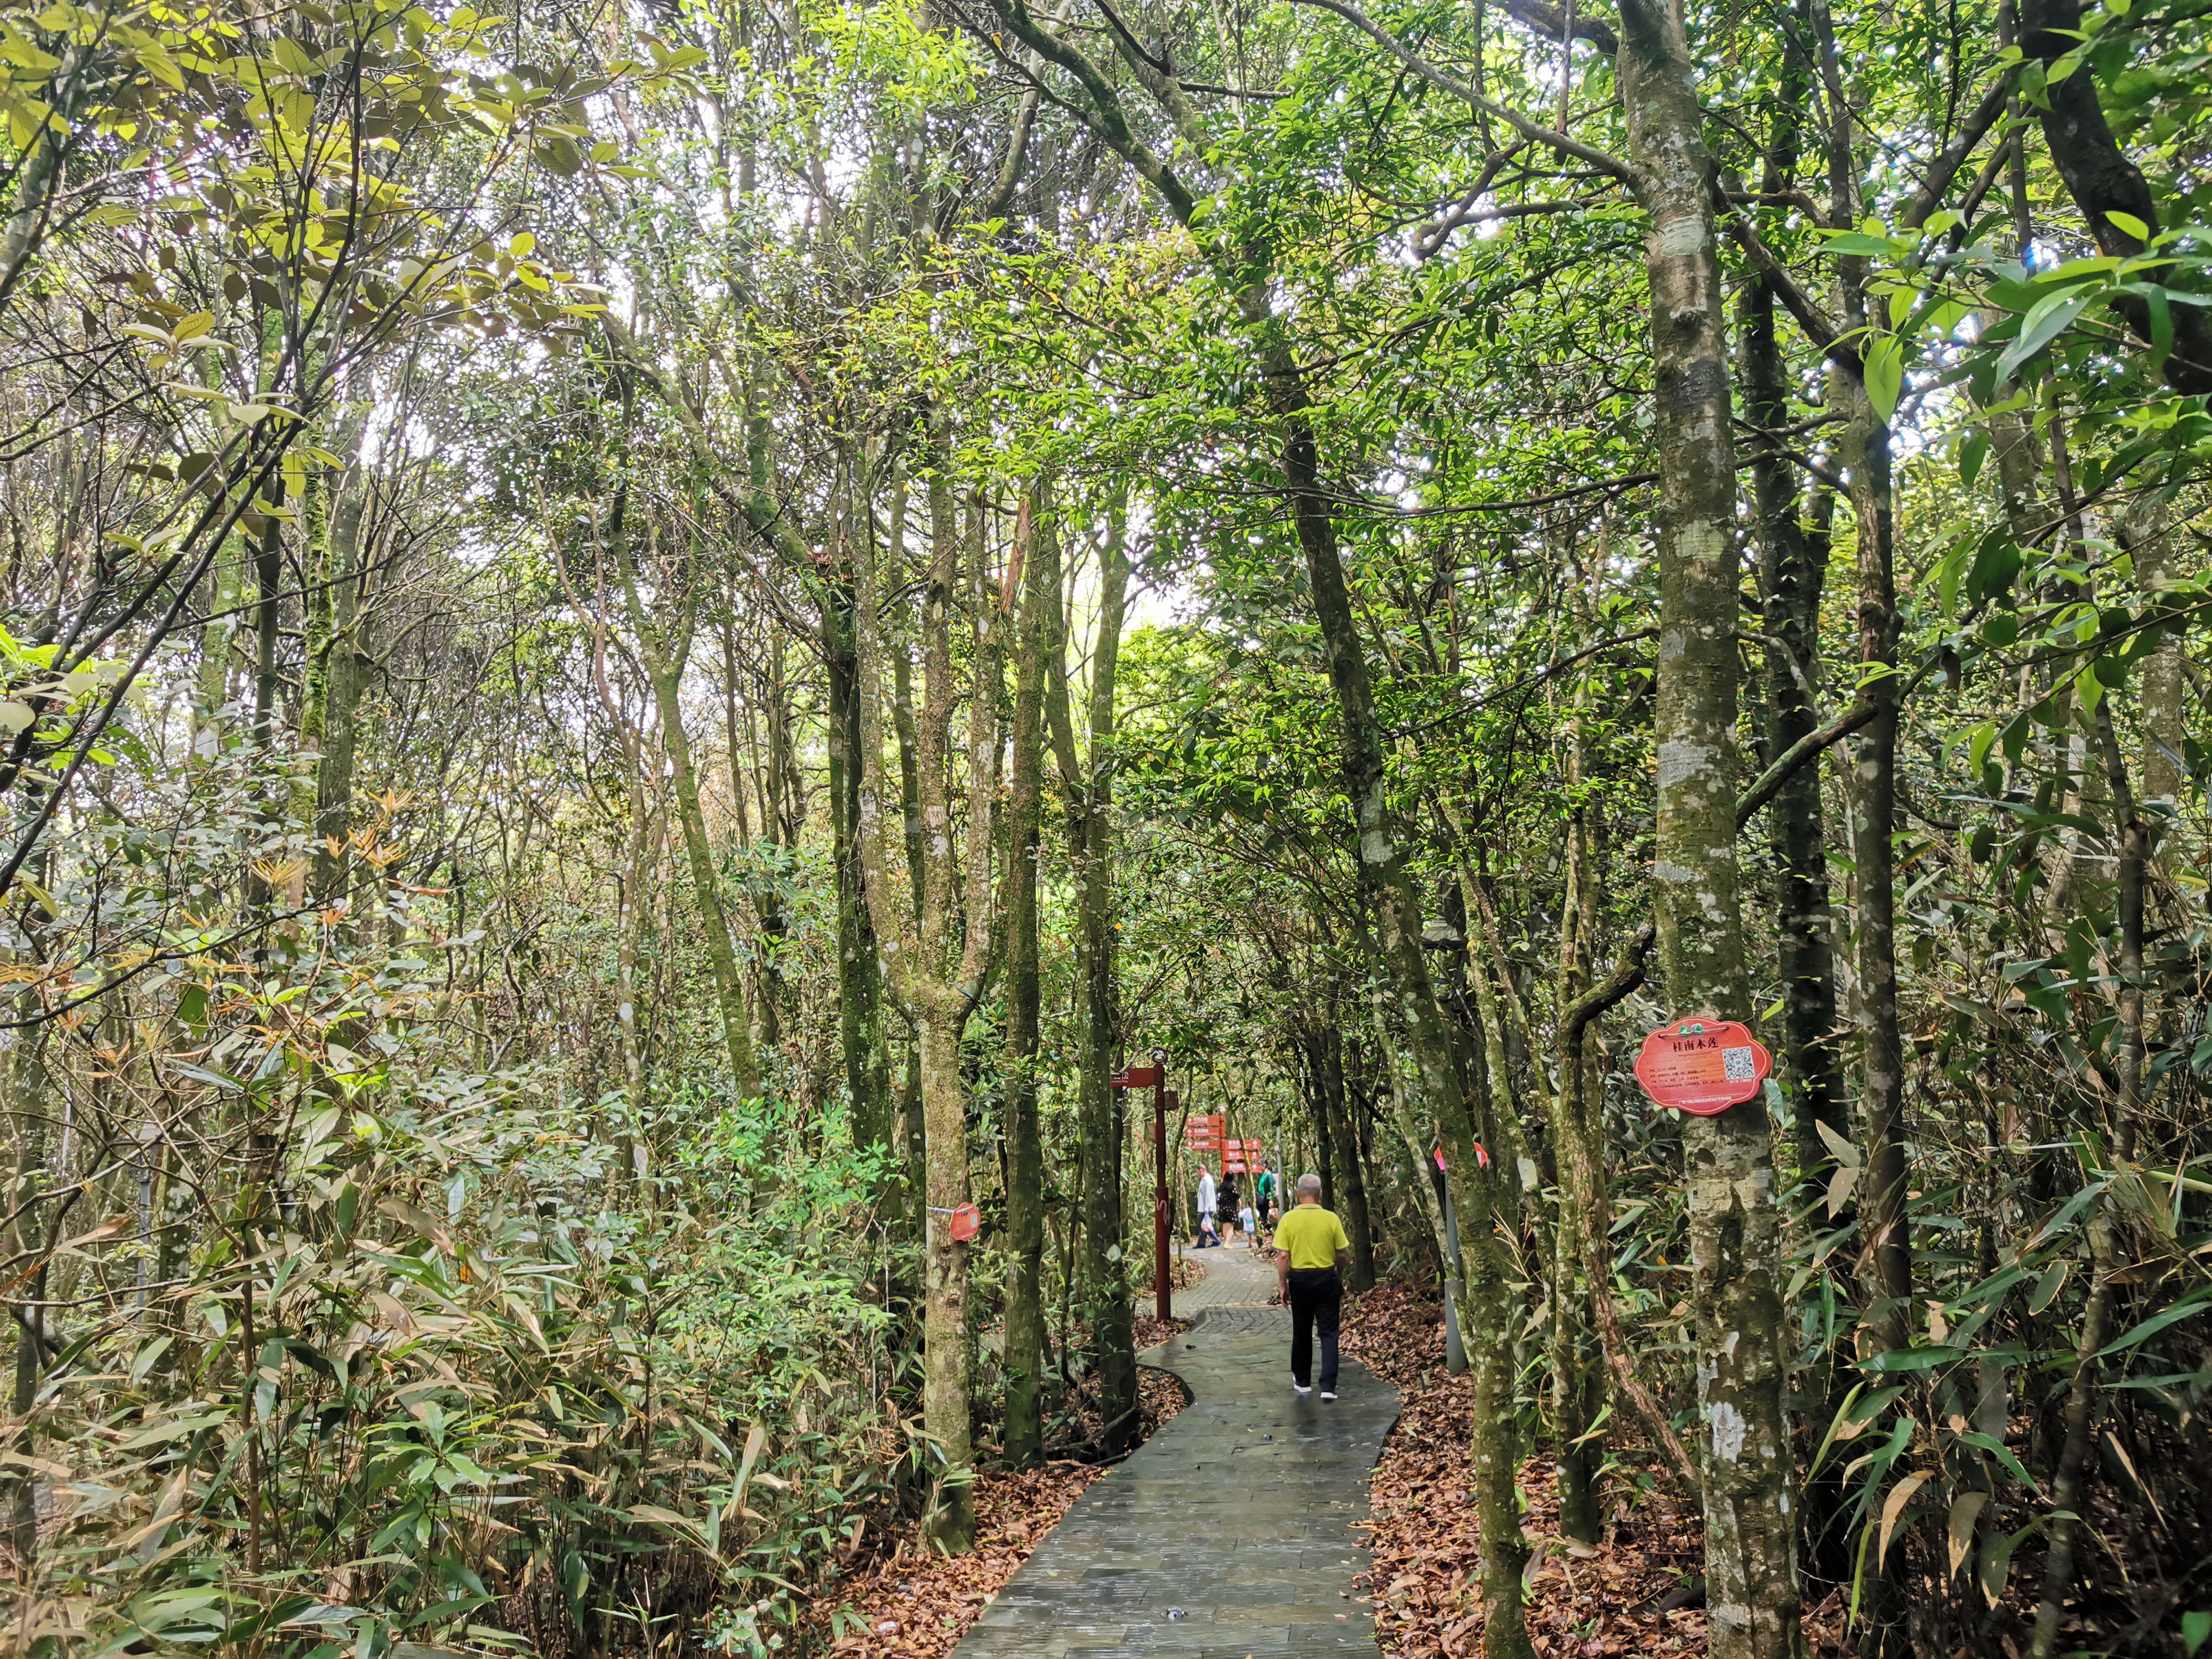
[1155, 1076]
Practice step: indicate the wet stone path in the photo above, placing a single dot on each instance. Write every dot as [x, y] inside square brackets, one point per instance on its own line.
[1229, 1533]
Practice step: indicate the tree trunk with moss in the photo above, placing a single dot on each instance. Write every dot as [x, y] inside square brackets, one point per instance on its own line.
[664, 656]
[1745, 1454]
[1086, 783]
[935, 961]
[1023, 1360]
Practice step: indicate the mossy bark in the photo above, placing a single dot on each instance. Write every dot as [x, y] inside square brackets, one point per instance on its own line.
[1750, 1569]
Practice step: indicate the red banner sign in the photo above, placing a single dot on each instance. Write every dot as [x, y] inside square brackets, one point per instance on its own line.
[1135, 1076]
[1703, 1066]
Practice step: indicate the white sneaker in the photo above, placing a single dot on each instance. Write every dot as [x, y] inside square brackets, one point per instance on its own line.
[1328, 1393]
[1300, 1387]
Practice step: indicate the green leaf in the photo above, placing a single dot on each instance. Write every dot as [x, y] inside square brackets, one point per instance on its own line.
[1885, 374]
[1997, 1562]
[2052, 316]
[2128, 222]
[2161, 324]
[2047, 1287]
[2187, 1307]
[1997, 1449]
[207, 1074]
[1986, 736]
[1912, 1359]
[1971, 456]
[1856, 245]
[2196, 1630]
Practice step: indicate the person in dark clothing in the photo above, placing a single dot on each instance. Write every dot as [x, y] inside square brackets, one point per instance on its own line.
[1309, 1272]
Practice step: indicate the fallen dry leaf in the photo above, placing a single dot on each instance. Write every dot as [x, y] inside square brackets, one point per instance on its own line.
[1425, 1586]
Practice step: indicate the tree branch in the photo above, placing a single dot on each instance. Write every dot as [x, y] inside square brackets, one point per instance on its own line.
[1547, 20]
[1945, 166]
[1771, 780]
[1627, 975]
[1612, 166]
[1106, 116]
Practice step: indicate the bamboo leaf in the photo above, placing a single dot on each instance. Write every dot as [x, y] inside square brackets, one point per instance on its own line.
[1965, 1510]
[2047, 1287]
[1893, 1507]
[1838, 1148]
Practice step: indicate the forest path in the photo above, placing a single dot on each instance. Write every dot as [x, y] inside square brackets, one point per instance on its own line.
[1228, 1533]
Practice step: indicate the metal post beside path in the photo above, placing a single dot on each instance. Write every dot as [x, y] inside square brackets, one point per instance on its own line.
[1155, 1077]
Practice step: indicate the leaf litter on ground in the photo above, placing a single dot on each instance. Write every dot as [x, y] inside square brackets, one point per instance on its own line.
[1425, 1584]
[906, 1601]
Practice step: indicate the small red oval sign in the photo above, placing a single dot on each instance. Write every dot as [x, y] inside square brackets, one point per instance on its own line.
[967, 1222]
[1703, 1066]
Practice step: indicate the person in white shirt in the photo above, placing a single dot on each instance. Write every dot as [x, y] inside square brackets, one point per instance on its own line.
[1204, 1201]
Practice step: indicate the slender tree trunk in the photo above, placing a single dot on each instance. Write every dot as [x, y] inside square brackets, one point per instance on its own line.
[936, 963]
[340, 661]
[1751, 1567]
[1346, 1140]
[268, 587]
[211, 691]
[859, 976]
[776, 829]
[1793, 568]
[1024, 1345]
[944, 1389]
[1324, 1134]
[1088, 785]
[1886, 1240]
[2163, 706]
[665, 658]
[1578, 1370]
[632, 912]
[1884, 1226]
[25, 1074]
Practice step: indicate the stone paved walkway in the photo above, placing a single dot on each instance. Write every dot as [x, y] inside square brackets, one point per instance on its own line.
[1235, 1278]
[1229, 1533]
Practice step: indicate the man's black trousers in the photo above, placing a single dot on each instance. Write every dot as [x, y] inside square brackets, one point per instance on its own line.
[1316, 1299]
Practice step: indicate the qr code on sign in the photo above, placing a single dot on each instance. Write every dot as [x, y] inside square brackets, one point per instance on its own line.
[1738, 1062]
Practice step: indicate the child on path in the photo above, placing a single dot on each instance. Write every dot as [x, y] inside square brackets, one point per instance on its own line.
[1249, 1222]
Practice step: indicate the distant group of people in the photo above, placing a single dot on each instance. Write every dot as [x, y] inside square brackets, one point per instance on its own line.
[1223, 1209]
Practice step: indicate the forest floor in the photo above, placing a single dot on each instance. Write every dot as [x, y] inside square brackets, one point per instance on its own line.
[902, 1600]
[1427, 1538]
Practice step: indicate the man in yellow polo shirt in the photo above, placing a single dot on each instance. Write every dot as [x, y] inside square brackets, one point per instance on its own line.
[1310, 1275]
